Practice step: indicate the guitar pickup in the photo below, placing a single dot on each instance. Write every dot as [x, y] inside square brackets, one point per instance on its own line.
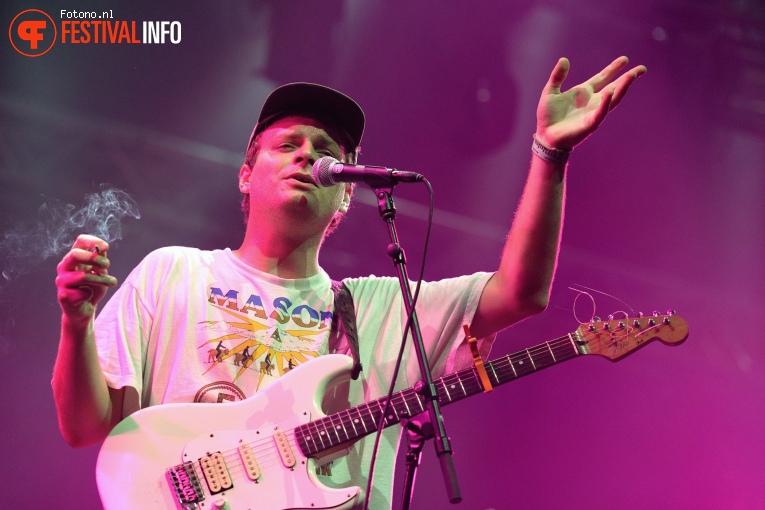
[216, 473]
[283, 447]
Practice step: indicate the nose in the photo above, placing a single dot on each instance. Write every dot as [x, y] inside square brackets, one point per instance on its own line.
[306, 154]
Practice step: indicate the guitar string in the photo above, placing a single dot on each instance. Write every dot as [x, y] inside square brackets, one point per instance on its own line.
[501, 366]
[265, 451]
[404, 397]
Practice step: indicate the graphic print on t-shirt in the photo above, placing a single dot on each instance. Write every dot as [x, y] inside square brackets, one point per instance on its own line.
[260, 344]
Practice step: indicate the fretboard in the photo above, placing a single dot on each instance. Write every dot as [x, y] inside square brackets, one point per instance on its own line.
[355, 423]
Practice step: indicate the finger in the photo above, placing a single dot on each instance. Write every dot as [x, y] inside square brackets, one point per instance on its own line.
[558, 75]
[624, 82]
[603, 78]
[76, 279]
[73, 298]
[91, 243]
[78, 257]
[73, 292]
[600, 114]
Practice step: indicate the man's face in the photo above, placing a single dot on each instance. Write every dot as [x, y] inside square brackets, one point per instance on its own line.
[279, 180]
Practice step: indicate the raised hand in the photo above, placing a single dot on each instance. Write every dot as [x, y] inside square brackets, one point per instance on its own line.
[83, 278]
[564, 119]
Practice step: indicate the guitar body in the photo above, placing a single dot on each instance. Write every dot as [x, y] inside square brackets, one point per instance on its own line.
[132, 467]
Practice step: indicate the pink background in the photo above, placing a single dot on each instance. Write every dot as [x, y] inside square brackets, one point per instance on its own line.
[665, 210]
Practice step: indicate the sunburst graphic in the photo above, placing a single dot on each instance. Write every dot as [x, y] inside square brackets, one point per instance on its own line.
[283, 349]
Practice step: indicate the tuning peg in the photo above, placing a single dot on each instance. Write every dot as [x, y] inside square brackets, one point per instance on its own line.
[596, 319]
[671, 312]
[606, 326]
[591, 327]
[655, 313]
[641, 314]
[611, 317]
[621, 324]
[666, 320]
[636, 323]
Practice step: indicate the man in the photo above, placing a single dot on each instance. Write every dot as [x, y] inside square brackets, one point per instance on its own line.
[270, 298]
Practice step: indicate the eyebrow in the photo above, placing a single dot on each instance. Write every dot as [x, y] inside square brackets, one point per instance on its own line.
[321, 140]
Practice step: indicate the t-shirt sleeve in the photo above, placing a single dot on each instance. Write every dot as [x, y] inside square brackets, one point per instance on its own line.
[119, 332]
[123, 327]
[442, 309]
[446, 306]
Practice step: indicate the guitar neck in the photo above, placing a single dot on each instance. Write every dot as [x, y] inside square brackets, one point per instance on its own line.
[348, 426]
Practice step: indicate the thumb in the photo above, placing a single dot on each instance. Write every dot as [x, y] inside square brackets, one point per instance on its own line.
[558, 75]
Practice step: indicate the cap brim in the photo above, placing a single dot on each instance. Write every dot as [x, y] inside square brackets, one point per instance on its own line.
[316, 101]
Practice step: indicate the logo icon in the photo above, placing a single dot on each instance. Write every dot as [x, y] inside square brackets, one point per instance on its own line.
[32, 33]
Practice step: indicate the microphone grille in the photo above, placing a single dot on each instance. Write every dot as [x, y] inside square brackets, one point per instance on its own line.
[322, 171]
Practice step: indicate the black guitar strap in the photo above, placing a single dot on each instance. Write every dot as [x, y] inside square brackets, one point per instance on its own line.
[344, 307]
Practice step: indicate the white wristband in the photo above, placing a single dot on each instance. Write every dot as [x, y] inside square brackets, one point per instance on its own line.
[557, 156]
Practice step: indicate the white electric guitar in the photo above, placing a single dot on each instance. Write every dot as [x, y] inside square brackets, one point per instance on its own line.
[260, 453]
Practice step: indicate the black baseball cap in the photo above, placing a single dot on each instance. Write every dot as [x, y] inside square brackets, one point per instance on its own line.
[323, 103]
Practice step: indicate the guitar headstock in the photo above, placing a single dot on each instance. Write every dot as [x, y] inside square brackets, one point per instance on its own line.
[615, 338]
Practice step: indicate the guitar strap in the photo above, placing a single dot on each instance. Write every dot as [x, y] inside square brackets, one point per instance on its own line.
[344, 307]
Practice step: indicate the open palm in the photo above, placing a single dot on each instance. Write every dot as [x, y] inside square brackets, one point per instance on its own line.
[564, 119]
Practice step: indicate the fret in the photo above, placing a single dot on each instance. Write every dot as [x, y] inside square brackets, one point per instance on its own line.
[403, 398]
[339, 428]
[470, 382]
[520, 367]
[454, 395]
[511, 366]
[392, 407]
[360, 418]
[464, 393]
[531, 359]
[353, 423]
[496, 377]
[420, 406]
[372, 415]
[380, 410]
[316, 436]
[564, 349]
[329, 430]
[542, 357]
[446, 389]
[324, 431]
[573, 344]
[551, 352]
[390, 419]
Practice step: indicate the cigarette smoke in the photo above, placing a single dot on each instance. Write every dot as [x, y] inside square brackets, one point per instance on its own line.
[57, 226]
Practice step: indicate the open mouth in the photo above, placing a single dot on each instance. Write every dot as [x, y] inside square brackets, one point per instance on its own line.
[303, 178]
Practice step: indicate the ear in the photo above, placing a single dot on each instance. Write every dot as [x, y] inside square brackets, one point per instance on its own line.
[347, 194]
[244, 178]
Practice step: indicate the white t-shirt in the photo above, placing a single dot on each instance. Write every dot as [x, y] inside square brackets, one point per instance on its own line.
[202, 326]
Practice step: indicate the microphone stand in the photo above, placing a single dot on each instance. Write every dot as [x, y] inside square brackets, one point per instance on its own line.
[427, 389]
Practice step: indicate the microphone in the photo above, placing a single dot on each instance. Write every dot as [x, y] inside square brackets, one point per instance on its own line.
[328, 171]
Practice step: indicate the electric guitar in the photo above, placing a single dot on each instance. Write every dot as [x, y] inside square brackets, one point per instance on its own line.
[261, 453]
